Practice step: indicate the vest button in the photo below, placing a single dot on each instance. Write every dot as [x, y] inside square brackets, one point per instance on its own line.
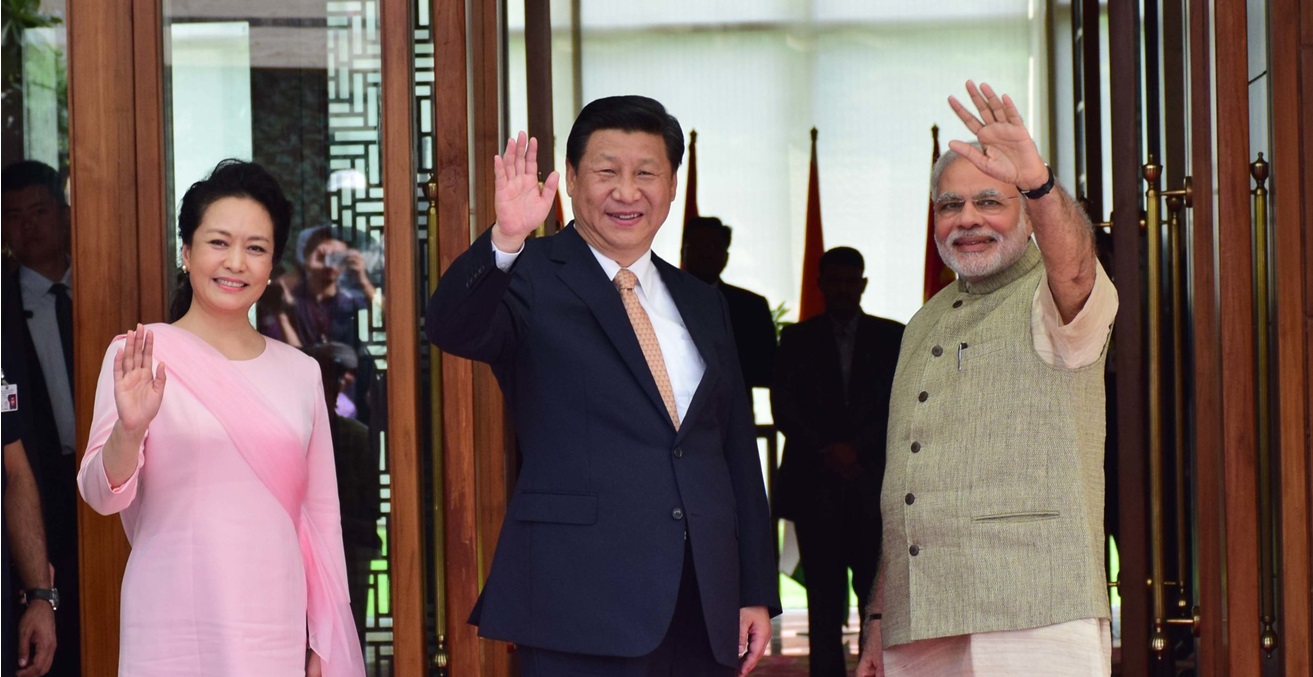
[677, 513]
[679, 452]
[957, 303]
[923, 396]
[937, 351]
[916, 446]
[910, 499]
[914, 551]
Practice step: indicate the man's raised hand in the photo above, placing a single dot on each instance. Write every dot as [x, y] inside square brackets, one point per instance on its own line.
[522, 204]
[1010, 154]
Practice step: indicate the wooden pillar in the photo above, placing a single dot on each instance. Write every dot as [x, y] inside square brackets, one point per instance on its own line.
[1292, 196]
[409, 632]
[451, 166]
[493, 450]
[1236, 315]
[1128, 335]
[538, 76]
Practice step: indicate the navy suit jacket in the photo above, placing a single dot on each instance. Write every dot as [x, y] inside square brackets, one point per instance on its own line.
[812, 410]
[754, 333]
[592, 548]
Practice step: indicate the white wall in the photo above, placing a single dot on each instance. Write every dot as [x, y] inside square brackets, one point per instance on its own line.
[753, 76]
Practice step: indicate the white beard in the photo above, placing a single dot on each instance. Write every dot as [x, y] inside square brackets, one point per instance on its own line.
[976, 265]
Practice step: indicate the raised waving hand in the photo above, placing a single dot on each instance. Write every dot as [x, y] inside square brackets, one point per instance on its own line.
[522, 204]
[137, 391]
[1010, 153]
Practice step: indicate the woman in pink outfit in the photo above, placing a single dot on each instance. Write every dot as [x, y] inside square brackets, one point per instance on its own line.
[212, 443]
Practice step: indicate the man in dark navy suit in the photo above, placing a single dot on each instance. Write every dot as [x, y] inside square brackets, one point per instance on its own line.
[705, 253]
[831, 400]
[637, 540]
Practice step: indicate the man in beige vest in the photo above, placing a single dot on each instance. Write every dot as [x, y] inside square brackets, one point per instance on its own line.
[992, 500]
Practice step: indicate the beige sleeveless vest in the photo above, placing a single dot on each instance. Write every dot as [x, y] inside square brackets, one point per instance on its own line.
[993, 488]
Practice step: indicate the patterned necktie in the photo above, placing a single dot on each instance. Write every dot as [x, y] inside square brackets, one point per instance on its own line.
[625, 280]
[64, 318]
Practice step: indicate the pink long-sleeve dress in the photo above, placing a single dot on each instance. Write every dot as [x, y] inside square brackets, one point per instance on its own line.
[220, 575]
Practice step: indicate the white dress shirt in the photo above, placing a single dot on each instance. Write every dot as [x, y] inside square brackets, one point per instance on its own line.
[39, 305]
[684, 363]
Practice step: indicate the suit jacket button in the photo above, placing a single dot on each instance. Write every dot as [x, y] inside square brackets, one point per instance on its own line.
[914, 551]
[916, 446]
[937, 351]
[923, 396]
[957, 303]
[677, 513]
[910, 499]
[679, 452]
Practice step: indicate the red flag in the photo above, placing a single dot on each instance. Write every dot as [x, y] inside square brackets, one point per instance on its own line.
[690, 190]
[812, 303]
[937, 275]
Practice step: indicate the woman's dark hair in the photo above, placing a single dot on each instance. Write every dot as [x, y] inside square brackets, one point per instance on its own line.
[230, 178]
[630, 113]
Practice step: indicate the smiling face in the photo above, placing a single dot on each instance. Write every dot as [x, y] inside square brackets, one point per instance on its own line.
[230, 257]
[979, 226]
[621, 192]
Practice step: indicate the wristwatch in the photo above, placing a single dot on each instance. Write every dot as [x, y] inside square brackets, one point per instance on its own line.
[48, 594]
[1037, 193]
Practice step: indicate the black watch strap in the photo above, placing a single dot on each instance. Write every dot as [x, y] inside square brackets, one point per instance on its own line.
[1043, 190]
[50, 595]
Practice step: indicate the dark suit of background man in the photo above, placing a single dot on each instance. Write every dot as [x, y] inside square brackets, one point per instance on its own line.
[831, 400]
[34, 222]
[705, 253]
[637, 540]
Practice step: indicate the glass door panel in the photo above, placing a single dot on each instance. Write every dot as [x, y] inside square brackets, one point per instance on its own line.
[295, 87]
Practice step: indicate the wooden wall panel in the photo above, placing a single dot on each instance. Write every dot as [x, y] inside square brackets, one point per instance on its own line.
[1209, 491]
[1235, 287]
[409, 631]
[1128, 335]
[1290, 171]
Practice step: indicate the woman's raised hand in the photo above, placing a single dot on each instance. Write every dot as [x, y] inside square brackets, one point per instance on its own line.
[522, 204]
[137, 392]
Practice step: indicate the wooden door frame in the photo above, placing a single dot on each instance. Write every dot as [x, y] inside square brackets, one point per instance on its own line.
[117, 176]
[115, 135]
[474, 448]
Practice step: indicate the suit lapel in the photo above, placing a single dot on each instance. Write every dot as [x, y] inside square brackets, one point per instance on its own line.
[699, 329]
[579, 270]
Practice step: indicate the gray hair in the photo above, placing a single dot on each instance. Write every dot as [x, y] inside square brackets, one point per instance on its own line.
[947, 158]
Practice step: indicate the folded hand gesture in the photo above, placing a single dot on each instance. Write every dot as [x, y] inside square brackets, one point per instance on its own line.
[1010, 155]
